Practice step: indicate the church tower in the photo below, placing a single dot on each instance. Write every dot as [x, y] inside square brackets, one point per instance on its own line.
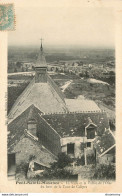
[41, 67]
[42, 92]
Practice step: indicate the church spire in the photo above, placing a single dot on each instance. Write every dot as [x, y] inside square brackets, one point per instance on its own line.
[41, 48]
[41, 62]
[41, 67]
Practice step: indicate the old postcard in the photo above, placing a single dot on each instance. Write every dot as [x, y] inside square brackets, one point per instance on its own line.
[60, 92]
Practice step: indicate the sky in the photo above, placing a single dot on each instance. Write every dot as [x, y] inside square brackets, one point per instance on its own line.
[61, 26]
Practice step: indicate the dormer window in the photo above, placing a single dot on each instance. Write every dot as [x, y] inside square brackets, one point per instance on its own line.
[90, 133]
[90, 129]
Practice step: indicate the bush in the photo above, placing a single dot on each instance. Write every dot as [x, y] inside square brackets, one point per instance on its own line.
[63, 161]
[56, 174]
[22, 168]
[105, 172]
[80, 161]
[91, 159]
[57, 170]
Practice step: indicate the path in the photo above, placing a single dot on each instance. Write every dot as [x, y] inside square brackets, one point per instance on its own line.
[21, 73]
[63, 88]
[92, 80]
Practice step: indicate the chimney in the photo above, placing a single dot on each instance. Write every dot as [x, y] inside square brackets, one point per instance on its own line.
[32, 127]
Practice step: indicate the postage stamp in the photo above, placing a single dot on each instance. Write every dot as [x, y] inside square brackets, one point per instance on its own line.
[7, 17]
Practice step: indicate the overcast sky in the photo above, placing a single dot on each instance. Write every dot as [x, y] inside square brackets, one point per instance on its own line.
[90, 27]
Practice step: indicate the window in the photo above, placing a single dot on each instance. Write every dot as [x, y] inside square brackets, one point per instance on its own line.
[70, 148]
[89, 144]
[90, 133]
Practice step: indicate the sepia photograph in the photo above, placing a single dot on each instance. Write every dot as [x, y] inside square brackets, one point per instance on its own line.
[61, 70]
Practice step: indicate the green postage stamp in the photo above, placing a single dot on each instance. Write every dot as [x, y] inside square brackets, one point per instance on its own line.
[7, 17]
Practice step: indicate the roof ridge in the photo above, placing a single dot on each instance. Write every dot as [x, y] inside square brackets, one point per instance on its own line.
[75, 112]
[111, 133]
[29, 107]
[55, 87]
[107, 150]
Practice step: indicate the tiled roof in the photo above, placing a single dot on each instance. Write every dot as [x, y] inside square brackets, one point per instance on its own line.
[43, 95]
[75, 105]
[73, 124]
[104, 142]
[48, 136]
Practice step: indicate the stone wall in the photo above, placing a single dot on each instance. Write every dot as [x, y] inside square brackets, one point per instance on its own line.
[78, 150]
[77, 145]
[26, 147]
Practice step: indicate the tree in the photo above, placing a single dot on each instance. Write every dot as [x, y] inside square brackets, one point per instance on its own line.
[18, 64]
[105, 172]
[80, 161]
[22, 168]
[56, 69]
[56, 173]
[57, 169]
[22, 69]
[63, 161]
[15, 69]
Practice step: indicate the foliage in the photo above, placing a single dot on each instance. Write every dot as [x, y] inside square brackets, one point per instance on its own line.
[57, 173]
[90, 159]
[105, 172]
[22, 168]
[80, 161]
[58, 170]
[18, 64]
[15, 69]
[63, 161]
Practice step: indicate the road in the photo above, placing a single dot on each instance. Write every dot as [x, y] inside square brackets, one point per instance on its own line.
[28, 73]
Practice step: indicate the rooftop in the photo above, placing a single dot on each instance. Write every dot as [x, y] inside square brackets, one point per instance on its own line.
[73, 124]
[104, 142]
[42, 95]
[75, 105]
